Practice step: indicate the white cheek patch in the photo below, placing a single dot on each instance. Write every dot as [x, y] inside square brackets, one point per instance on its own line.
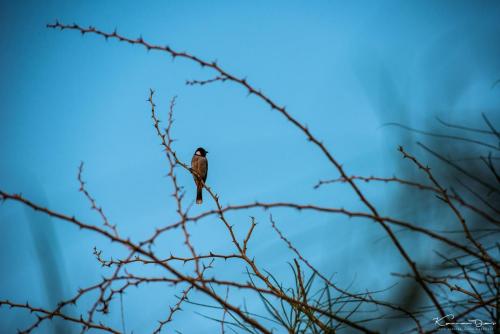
[198, 153]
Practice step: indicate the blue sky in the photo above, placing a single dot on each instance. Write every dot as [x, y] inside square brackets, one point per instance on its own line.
[342, 68]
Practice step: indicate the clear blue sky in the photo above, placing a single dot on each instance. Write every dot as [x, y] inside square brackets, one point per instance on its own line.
[344, 68]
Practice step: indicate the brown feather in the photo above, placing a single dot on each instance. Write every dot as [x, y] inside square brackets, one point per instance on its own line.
[199, 165]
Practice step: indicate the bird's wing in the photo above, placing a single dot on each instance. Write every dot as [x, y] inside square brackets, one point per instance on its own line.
[200, 166]
[205, 163]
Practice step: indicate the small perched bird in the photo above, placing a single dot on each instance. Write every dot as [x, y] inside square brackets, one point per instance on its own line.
[199, 166]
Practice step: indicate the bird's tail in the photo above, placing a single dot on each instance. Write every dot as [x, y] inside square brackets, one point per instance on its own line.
[199, 197]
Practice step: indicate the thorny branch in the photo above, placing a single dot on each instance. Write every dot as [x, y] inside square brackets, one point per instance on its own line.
[282, 110]
[469, 270]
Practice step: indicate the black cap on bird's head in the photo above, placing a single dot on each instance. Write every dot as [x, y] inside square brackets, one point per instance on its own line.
[201, 151]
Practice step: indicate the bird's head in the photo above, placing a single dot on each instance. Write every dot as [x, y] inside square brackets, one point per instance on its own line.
[201, 152]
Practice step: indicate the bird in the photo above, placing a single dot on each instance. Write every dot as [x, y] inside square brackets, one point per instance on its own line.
[199, 168]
